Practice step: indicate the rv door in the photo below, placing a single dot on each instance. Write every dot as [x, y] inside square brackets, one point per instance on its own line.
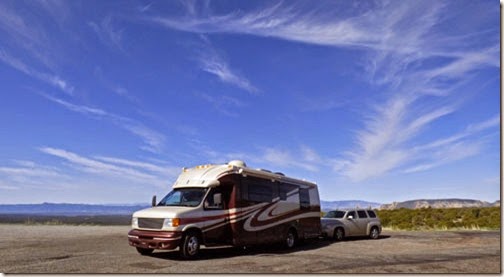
[215, 209]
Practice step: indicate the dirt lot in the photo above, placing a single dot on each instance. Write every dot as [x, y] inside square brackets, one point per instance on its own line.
[104, 249]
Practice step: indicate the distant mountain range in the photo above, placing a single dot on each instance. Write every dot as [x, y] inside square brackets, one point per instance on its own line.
[92, 209]
[70, 209]
[347, 204]
[439, 203]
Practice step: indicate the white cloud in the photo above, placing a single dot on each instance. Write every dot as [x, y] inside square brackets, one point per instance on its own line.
[492, 122]
[28, 174]
[305, 159]
[98, 171]
[226, 105]
[452, 152]
[53, 80]
[320, 104]
[114, 87]
[470, 130]
[166, 170]
[107, 33]
[153, 140]
[24, 31]
[31, 171]
[118, 168]
[310, 155]
[145, 8]
[213, 62]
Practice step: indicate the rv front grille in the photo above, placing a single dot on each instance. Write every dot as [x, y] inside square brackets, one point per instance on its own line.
[150, 223]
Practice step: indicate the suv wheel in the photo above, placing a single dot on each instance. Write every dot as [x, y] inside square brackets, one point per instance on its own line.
[374, 234]
[339, 234]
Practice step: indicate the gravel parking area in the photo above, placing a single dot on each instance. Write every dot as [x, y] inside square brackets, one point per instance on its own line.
[104, 249]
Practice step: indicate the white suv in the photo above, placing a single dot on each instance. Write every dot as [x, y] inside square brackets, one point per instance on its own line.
[347, 223]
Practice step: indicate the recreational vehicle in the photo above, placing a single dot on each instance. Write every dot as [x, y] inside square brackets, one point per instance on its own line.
[228, 204]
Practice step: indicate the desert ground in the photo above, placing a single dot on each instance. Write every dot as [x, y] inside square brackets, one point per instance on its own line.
[105, 249]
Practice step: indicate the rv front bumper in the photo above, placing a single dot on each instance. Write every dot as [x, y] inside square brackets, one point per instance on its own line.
[154, 239]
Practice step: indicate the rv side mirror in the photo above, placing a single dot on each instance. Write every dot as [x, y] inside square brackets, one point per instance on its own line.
[217, 199]
[154, 201]
[350, 217]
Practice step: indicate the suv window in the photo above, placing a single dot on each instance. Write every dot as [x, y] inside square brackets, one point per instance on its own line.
[362, 214]
[351, 213]
[335, 214]
[371, 214]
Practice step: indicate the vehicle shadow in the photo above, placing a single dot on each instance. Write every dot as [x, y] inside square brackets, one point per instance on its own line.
[210, 253]
[223, 252]
[364, 238]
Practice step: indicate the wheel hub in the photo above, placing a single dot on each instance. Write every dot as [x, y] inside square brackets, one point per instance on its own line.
[192, 245]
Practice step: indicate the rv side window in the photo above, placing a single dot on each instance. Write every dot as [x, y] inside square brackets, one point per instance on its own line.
[214, 200]
[304, 198]
[286, 190]
[260, 192]
[275, 190]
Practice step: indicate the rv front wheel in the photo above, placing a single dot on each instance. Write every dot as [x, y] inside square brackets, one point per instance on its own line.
[291, 239]
[190, 246]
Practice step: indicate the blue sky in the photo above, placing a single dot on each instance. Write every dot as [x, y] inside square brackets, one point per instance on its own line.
[105, 101]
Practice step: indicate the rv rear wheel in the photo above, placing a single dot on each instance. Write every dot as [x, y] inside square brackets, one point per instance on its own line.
[291, 239]
[144, 251]
[190, 246]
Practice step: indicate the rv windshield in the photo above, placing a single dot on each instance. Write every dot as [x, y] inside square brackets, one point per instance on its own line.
[188, 197]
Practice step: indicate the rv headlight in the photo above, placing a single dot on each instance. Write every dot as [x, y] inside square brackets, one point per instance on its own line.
[171, 222]
[134, 222]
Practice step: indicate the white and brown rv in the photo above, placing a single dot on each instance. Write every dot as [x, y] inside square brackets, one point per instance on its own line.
[228, 204]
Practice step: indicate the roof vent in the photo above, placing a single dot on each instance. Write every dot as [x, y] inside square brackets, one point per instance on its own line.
[279, 173]
[237, 163]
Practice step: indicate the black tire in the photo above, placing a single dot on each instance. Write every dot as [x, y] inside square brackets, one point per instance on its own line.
[191, 242]
[291, 239]
[374, 233]
[339, 234]
[144, 251]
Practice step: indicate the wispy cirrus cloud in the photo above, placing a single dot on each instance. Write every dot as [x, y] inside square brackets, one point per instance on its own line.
[108, 33]
[28, 45]
[453, 152]
[163, 169]
[303, 157]
[133, 171]
[226, 105]
[213, 62]
[53, 80]
[114, 87]
[153, 140]
[319, 104]
[24, 33]
[300, 158]
[28, 174]
[456, 147]
[399, 42]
